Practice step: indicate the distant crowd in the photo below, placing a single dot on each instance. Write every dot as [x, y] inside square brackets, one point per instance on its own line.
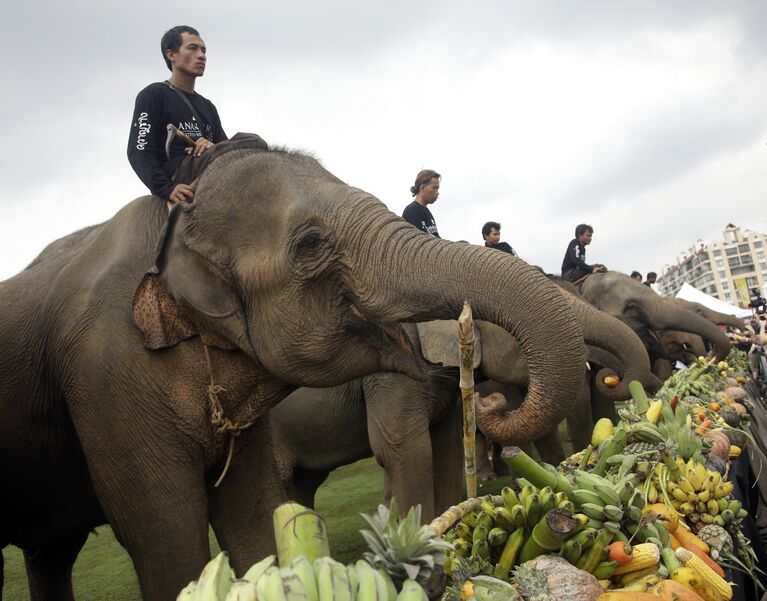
[425, 192]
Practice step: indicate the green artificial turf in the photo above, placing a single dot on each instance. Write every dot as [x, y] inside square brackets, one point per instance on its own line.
[104, 571]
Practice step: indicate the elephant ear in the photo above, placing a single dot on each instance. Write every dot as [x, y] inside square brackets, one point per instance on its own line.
[183, 296]
[439, 342]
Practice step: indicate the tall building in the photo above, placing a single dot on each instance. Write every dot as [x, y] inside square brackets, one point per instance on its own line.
[727, 269]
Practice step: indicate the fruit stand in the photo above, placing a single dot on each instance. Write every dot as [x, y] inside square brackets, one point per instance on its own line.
[654, 508]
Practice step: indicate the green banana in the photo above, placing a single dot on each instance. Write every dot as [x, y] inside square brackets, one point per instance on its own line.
[292, 586]
[509, 497]
[189, 592]
[571, 550]
[354, 579]
[391, 590]
[604, 570]
[608, 494]
[270, 586]
[593, 510]
[481, 548]
[241, 590]
[497, 536]
[612, 513]
[548, 500]
[215, 579]
[519, 516]
[303, 569]
[488, 588]
[582, 495]
[532, 509]
[367, 583]
[411, 591]
[504, 519]
[586, 538]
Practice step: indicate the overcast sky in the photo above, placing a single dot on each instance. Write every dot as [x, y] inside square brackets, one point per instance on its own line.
[645, 119]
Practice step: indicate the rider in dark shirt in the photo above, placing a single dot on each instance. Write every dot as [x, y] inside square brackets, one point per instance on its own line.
[426, 192]
[173, 102]
[574, 266]
[491, 232]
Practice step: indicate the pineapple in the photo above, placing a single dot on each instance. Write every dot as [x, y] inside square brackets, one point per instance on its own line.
[406, 549]
[532, 584]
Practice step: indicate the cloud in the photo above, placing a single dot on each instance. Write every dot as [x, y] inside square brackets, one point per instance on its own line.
[644, 119]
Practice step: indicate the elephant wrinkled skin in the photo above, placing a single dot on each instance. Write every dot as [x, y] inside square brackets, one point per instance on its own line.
[278, 275]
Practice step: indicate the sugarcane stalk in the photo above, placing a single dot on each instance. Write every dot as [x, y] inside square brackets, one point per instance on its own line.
[466, 344]
[548, 534]
[525, 466]
[299, 530]
[456, 512]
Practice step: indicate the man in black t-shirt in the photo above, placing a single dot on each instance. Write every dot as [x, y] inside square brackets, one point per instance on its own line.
[426, 192]
[574, 266]
[491, 232]
[173, 102]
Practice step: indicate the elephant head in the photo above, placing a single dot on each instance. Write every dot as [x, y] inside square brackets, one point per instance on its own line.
[643, 310]
[310, 278]
[720, 319]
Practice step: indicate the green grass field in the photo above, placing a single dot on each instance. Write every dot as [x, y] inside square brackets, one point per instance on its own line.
[104, 570]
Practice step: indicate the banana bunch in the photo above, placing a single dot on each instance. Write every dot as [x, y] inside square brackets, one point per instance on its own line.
[326, 580]
[607, 503]
[702, 496]
[696, 380]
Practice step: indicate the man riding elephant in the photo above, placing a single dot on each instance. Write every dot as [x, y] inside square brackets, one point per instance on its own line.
[154, 155]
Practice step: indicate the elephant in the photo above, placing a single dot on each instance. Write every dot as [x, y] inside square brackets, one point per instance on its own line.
[414, 428]
[141, 356]
[644, 311]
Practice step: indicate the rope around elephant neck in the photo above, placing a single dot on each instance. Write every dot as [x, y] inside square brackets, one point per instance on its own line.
[218, 420]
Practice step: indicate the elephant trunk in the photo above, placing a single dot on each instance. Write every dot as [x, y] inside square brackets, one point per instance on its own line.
[668, 315]
[715, 317]
[426, 278]
[612, 335]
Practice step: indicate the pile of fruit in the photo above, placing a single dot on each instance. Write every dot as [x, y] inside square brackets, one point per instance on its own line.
[404, 563]
[646, 511]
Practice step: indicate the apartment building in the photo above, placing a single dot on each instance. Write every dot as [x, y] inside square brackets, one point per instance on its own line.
[726, 269]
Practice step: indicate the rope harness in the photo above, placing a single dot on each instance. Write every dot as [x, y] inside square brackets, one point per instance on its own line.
[222, 424]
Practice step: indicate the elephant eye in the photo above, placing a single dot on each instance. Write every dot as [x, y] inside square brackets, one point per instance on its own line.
[311, 242]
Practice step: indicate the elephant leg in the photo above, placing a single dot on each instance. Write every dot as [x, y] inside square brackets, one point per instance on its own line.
[303, 487]
[484, 467]
[580, 422]
[447, 450]
[241, 507]
[156, 503]
[49, 568]
[398, 410]
[550, 447]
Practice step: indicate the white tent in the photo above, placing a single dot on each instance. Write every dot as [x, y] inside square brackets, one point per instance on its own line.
[688, 293]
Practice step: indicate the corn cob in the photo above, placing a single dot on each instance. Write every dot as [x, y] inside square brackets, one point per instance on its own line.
[719, 589]
[644, 556]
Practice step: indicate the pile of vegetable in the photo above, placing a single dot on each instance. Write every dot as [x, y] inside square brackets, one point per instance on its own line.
[645, 512]
[404, 563]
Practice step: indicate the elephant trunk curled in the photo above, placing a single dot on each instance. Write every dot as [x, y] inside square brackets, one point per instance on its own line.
[425, 277]
[606, 332]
